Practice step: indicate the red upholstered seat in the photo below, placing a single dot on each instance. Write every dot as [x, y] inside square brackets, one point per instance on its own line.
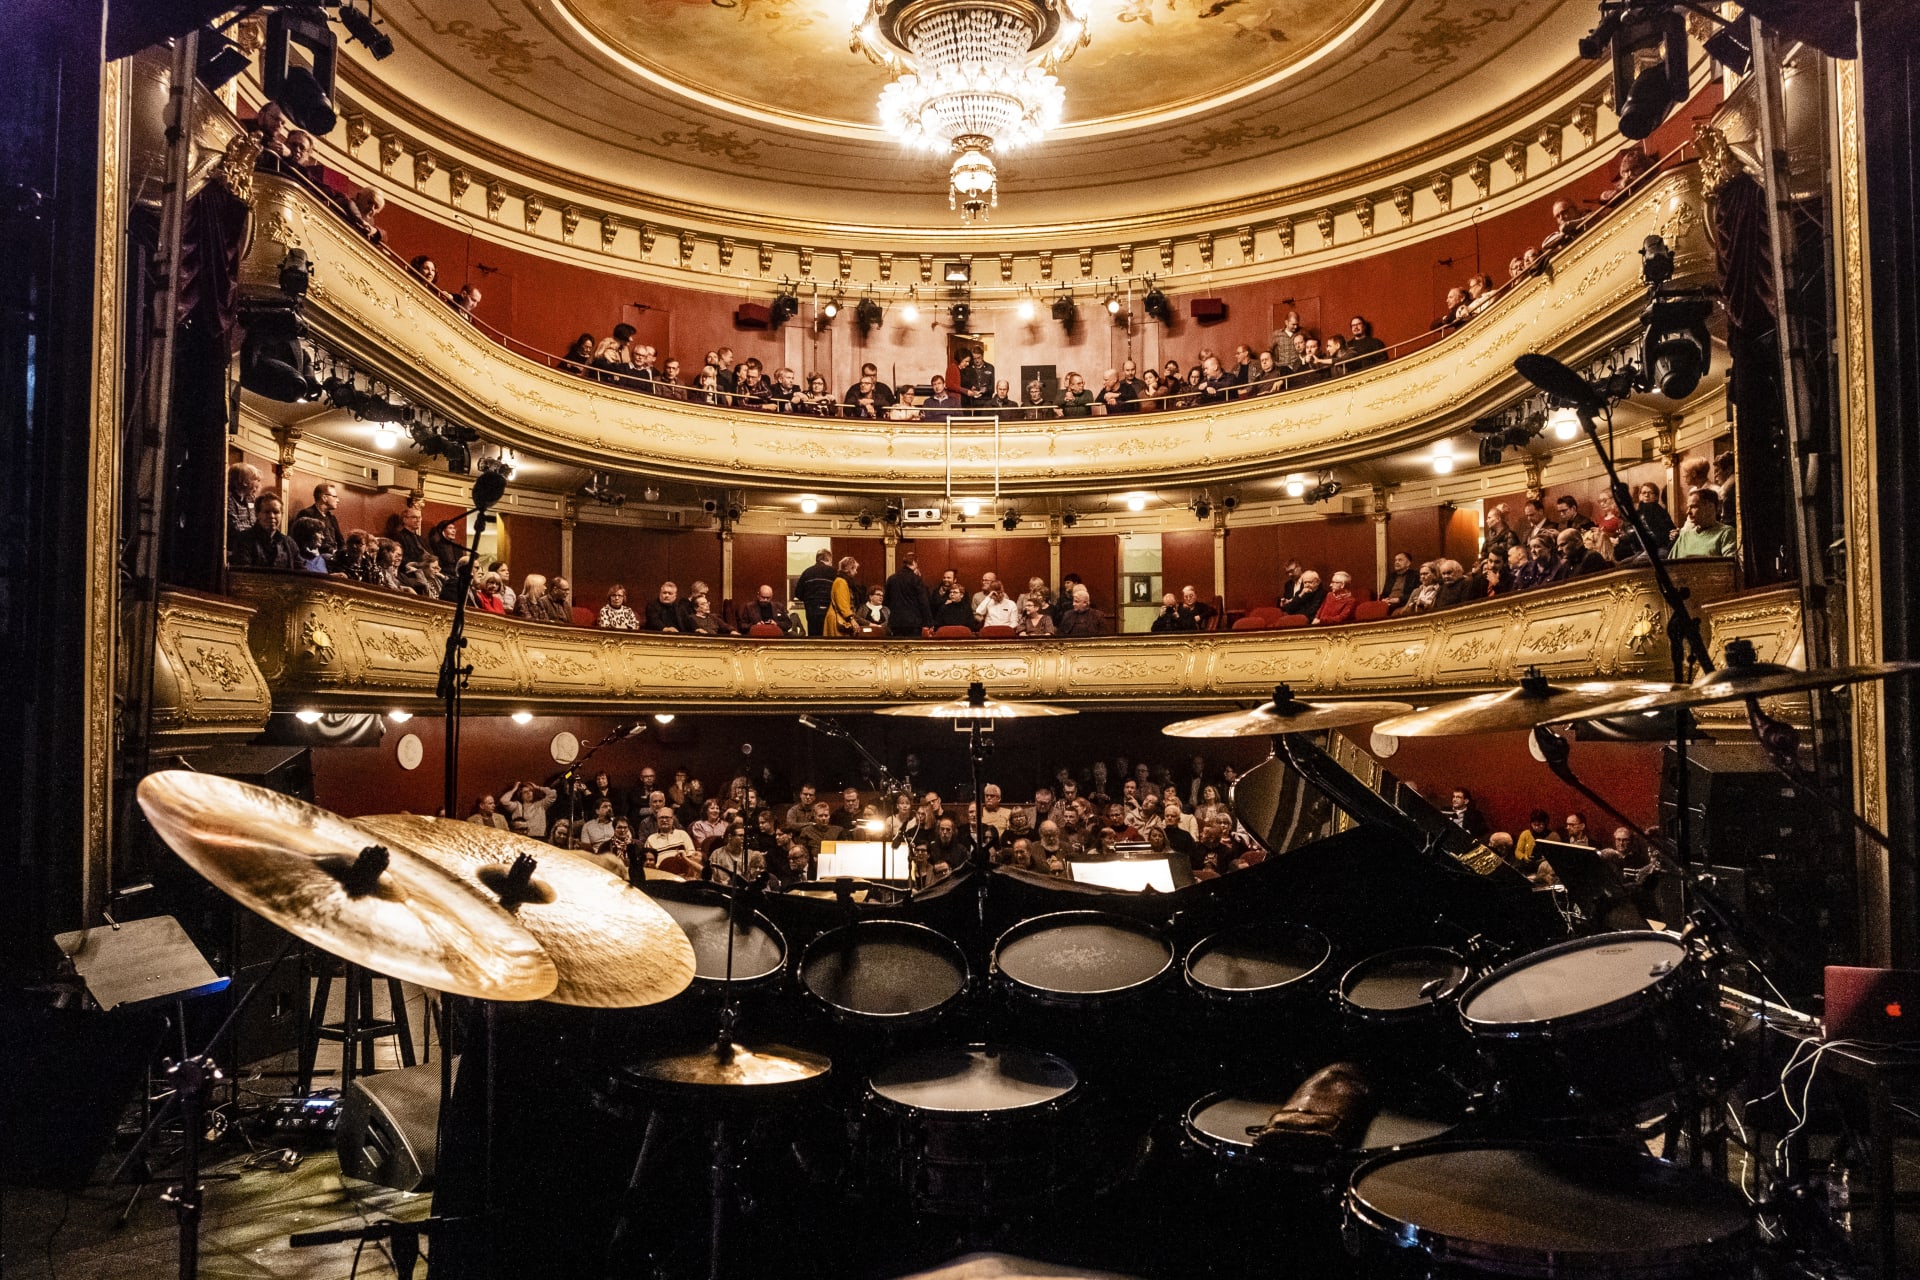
[998, 631]
[1372, 610]
[1252, 622]
[954, 632]
[765, 631]
[584, 617]
[1287, 620]
[1270, 614]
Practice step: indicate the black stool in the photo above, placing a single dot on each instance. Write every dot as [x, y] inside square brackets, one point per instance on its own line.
[357, 1030]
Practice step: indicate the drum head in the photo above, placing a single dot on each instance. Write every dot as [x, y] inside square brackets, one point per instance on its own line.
[1392, 981]
[1571, 979]
[884, 969]
[1083, 953]
[1552, 1209]
[758, 949]
[1222, 1119]
[977, 1078]
[1258, 958]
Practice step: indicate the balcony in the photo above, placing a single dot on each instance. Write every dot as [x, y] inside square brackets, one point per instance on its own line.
[328, 644]
[364, 305]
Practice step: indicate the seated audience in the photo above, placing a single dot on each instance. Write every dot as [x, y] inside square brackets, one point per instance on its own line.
[665, 613]
[1306, 600]
[954, 611]
[1703, 534]
[1082, 619]
[1339, 603]
[1401, 580]
[614, 614]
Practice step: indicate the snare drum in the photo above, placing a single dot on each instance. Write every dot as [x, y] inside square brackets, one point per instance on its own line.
[1257, 966]
[1567, 1211]
[1080, 961]
[884, 973]
[1399, 1009]
[983, 1131]
[759, 948]
[1223, 1124]
[1601, 1024]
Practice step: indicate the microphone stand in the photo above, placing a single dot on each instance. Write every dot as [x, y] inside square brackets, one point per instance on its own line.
[890, 786]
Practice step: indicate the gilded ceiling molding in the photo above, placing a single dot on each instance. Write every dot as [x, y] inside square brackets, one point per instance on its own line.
[366, 307]
[328, 644]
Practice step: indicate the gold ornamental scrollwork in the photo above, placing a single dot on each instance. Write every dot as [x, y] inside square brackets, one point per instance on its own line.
[393, 645]
[217, 666]
[316, 640]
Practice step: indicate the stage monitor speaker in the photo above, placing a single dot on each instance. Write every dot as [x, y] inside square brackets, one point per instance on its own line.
[389, 1128]
[1740, 809]
[235, 940]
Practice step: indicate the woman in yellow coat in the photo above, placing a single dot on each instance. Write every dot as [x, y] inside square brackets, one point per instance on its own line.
[840, 620]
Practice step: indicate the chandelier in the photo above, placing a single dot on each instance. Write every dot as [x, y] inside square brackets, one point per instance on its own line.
[970, 77]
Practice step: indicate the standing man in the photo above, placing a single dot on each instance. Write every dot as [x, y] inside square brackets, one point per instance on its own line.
[909, 610]
[976, 378]
[816, 591]
[326, 500]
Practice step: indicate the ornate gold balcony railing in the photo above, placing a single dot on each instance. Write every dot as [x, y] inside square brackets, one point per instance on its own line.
[364, 304]
[327, 644]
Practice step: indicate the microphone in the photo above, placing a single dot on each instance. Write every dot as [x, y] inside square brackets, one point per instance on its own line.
[1559, 381]
[488, 489]
[822, 726]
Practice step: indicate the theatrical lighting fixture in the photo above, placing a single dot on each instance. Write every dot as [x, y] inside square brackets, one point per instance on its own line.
[1136, 502]
[809, 504]
[892, 513]
[523, 717]
[398, 716]
[1066, 311]
[663, 717]
[1325, 491]
[868, 314]
[786, 305]
[970, 508]
[1113, 304]
[864, 519]
[910, 309]
[1442, 457]
[307, 715]
[1069, 518]
[1157, 305]
[296, 274]
[969, 77]
[1296, 485]
[962, 316]
[1649, 48]
[1656, 262]
[220, 59]
[1202, 508]
[305, 94]
[1677, 350]
[830, 308]
[361, 26]
[1732, 47]
[385, 437]
[1564, 422]
[1010, 520]
[651, 493]
[1229, 502]
[274, 359]
[957, 272]
[600, 489]
[1026, 308]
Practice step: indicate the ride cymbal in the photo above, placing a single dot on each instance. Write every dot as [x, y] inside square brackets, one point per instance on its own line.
[614, 947]
[1536, 701]
[1285, 714]
[1738, 681]
[978, 706]
[733, 1066]
[332, 883]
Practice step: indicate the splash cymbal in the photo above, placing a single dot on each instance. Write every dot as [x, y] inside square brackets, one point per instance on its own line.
[1285, 714]
[1536, 701]
[614, 947]
[332, 883]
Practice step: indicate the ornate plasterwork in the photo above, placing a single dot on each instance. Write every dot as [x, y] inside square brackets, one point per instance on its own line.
[387, 653]
[206, 685]
[365, 305]
[1770, 620]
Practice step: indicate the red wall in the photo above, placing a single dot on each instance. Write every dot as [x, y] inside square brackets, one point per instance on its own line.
[1186, 558]
[533, 546]
[1096, 558]
[759, 558]
[642, 559]
[1257, 555]
[1015, 558]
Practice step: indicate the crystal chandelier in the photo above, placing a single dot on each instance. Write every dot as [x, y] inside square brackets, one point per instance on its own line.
[970, 77]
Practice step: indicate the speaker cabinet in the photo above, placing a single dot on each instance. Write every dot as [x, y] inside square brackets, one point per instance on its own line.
[1739, 808]
[388, 1128]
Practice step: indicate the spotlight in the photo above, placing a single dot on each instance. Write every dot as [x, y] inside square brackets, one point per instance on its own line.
[1563, 422]
[304, 94]
[958, 272]
[1296, 485]
[1010, 520]
[523, 717]
[1136, 502]
[831, 308]
[1731, 48]
[1656, 262]
[385, 437]
[274, 360]
[786, 305]
[1645, 93]
[1202, 508]
[1158, 306]
[868, 314]
[1442, 458]
[1490, 451]
[1065, 311]
[398, 716]
[910, 311]
[809, 505]
[962, 316]
[296, 274]
[307, 715]
[663, 717]
[970, 508]
[1326, 491]
[220, 59]
[1229, 502]
[1069, 518]
[1676, 354]
[892, 513]
[650, 493]
[1113, 304]
[361, 26]
[864, 519]
[1026, 308]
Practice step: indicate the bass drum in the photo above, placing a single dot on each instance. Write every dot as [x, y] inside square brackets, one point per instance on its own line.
[1596, 1026]
[981, 1132]
[1565, 1211]
[1399, 1010]
[881, 974]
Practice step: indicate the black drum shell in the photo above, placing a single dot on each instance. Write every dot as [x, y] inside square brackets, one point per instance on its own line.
[937, 958]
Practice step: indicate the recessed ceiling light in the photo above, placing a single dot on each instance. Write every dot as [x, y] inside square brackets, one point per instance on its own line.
[809, 505]
[398, 716]
[523, 717]
[307, 715]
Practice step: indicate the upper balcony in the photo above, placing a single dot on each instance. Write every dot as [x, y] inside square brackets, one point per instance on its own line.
[364, 305]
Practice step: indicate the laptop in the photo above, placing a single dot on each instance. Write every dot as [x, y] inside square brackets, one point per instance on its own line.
[1881, 1006]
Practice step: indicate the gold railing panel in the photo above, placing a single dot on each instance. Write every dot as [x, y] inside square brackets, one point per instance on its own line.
[206, 686]
[365, 304]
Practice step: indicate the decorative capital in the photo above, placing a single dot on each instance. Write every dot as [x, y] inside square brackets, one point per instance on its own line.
[389, 151]
[806, 261]
[1046, 266]
[646, 238]
[1403, 204]
[288, 440]
[1363, 210]
[886, 266]
[1126, 258]
[1285, 229]
[1086, 262]
[1534, 485]
[1166, 255]
[846, 264]
[1442, 188]
[1006, 266]
[726, 252]
[1718, 166]
[1586, 119]
[459, 182]
[569, 221]
[1206, 251]
[496, 198]
[1245, 236]
[424, 166]
[1324, 221]
[766, 258]
[1666, 437]
[609, 230]
[1549, 140]
[358, 130]
[1515, 155]
[926, 268]
[687, 246]
[531, 209]
[1481, 172]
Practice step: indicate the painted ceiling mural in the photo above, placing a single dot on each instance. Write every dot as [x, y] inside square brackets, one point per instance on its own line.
[731, 104]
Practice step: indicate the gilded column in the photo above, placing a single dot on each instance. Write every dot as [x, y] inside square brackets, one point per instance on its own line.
[1381, 515]
[1219, 554]
[1053, 552]
[288, 438]
[569, 517]
[893, 549]
[1860, 482]
[726, 563]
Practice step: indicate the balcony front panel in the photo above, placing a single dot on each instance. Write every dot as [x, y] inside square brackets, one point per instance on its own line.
[365, 304]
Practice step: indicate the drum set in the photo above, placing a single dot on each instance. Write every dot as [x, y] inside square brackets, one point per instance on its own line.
[975, 1071]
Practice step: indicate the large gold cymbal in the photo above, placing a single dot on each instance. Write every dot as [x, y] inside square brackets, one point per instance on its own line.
[990, 709]
[1734, 683]
[303, 869]
[615, 948]
[1285, 714]
[1536, 701]
[733, 1066]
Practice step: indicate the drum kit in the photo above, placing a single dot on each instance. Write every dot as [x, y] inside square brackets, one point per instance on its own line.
[1508, 1088]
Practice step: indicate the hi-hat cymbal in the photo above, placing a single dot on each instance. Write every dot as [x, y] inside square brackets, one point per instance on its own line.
[614, 946]
[732, 1066]
[1536, 701]
[1735, 682]
[309, 872]
[1285, 714]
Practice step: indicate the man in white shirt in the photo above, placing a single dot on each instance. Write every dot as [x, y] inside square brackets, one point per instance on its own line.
[996, 608]
[669, 838]
[598, 829]
[992, 814]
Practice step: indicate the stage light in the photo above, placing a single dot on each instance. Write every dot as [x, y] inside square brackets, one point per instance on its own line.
[1136, 502]
[868, 314]
[384, 437]
[523, 717]
[1442, 458]
[398, 716]
[910, 311]
[1296, 485]
[307, 715]
[962, 316]
[830, 308]
[786, 305]
[809, 505]
[1202, 508]
[1649, 68]
[1676, 352]
[1026, 308]
[970, 508]
[220, 59]
[663, 717]
[361, 26]
[1113, 305]
[1010, 520]
[1656, 262]
[958, 272]
[1563, 422]
[1069, 518]
[1066, 311]
[1157, 305]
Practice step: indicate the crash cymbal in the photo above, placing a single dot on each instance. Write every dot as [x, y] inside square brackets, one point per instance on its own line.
[614, 946]
[1738, 681]
[309, 872]
[1536, 701]
[978, 706]
[1285, 714]
[733, 1066]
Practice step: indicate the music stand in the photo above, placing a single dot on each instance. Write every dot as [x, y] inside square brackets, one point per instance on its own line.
[140, 962]
[1593, 885]
[1135, 874]
[864, 860]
